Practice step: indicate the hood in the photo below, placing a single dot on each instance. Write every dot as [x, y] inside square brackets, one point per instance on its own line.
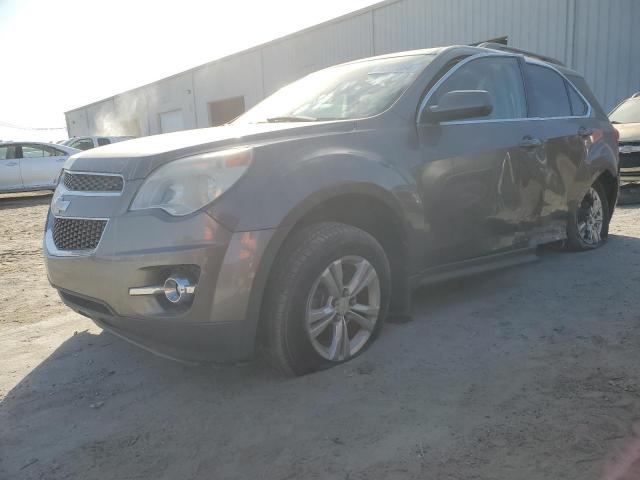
[136, 158]
[629, 132]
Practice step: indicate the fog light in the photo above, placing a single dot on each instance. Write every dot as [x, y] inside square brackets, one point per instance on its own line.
[178, 290]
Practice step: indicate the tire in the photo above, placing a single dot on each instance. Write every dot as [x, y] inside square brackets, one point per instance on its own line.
[586, 230]
[303, 283]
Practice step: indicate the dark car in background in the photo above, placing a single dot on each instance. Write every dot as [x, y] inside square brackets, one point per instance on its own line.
[626, 118]
[299, 226]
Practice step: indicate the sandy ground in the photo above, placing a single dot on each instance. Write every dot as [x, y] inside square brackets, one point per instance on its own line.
[30, 298]
[527, 373]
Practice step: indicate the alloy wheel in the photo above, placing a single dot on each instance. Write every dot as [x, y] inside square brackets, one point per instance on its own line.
[590, 218]
[343, 308]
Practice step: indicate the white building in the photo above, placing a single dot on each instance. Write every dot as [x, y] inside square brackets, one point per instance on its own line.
[599, 38]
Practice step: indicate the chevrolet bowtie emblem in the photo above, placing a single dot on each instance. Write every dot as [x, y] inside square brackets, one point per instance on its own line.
[60, 205]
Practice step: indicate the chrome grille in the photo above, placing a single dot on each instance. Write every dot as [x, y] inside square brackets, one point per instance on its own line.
[86, 182]
[77, 233]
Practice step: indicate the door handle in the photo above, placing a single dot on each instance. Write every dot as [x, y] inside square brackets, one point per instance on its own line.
[585, 132]
[11, 164]
[530, 142]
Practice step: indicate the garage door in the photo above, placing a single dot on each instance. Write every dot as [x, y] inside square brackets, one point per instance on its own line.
[171, 121]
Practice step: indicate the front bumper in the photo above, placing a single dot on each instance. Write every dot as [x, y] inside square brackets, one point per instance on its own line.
[142, 248]
[193, 342]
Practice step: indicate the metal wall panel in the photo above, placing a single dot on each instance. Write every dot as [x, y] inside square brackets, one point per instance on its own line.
[607, 43]
[99, 115]
[537, 25]
[237, 76]
[77, 122]
[131, 115]
[596, 37]
[173, 93]
[336, 42]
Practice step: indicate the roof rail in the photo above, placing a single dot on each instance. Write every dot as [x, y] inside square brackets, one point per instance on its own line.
[500, 40]
[504, 48]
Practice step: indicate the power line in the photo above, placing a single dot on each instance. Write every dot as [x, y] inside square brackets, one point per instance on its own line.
[19, 127]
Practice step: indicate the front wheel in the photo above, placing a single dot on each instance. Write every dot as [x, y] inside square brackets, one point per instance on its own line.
[588, 225]
[327, 298]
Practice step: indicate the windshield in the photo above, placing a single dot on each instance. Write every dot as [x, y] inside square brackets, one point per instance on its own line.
[627, 112]
[354, 90]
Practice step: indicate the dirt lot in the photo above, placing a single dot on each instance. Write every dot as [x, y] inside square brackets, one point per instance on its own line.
[528, 373]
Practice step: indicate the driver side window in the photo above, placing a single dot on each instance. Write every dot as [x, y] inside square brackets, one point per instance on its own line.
[500, 76]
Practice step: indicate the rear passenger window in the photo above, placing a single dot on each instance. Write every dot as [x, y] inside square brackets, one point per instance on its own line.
[103, 141]
[578, 107]
[548, 94]
[32, 151]
[586, 92]
[52, 152]
[500, 76]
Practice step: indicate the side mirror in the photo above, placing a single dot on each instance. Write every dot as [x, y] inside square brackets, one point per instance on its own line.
[457, 105]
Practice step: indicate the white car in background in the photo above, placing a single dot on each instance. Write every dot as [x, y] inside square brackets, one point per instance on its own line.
[86, 143]
[29, 166]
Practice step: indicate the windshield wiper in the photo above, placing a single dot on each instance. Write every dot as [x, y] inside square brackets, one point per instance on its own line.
[290, 118]
[615, 122]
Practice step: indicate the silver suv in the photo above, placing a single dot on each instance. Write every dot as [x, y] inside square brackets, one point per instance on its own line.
[299, 226]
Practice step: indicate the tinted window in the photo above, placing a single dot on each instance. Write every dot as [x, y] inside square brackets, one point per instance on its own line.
[586, 92]
[500, 76]
[548, 94]
[103, 141]
[4, 153]
[578, 107]
[82, 144]
[32, 151]
[52, 152]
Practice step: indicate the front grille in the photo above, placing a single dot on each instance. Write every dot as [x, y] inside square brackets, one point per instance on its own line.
[77, 233]
[85, 182]
[630, 160]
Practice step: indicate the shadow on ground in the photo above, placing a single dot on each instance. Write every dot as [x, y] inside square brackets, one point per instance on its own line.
[530, 372]
[629, 194]
[18, 200]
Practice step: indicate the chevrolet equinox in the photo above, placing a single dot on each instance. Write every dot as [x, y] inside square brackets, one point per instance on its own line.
[299, 227]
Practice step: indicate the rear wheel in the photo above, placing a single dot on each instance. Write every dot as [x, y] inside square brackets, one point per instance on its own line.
[327, 298]
[589, 224]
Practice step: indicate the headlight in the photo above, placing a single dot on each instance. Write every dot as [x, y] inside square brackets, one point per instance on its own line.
[183, 186]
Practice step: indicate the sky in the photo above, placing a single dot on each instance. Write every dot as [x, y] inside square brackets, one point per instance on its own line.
[62, 54]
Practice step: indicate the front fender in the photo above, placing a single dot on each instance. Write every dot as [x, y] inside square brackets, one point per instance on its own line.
[296, 193]
[277, 191]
